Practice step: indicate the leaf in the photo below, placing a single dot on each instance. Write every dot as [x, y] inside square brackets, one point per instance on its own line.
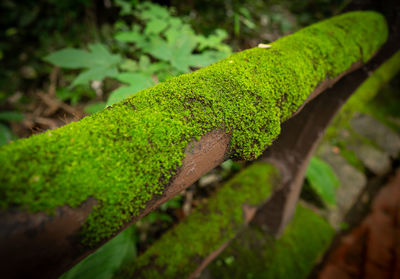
[119, 94]
[126, 7]
[102, 57]
[322, 180]
[155, 26]
[156, 68]
[5, 134]
[182, 49]
[213, 40]
[98, 61]
[135, 81]
[159, 48]
[103, 263]
[205, 58]
[129, 65]
[98, 73]
[150, 11]
[93, 108]
[11, 116]
[132, 37]
[144, 62]
[65, 94]
[71, 58]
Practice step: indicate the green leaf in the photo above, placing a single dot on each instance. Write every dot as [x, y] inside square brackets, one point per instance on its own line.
[119, 94]
[5, 134]
[205, 58]
[70, 58]
[155, 26]
[103, 263]
[132, 37]
[182, 49]
[65, 94]
[157, 67]
[322, 180]
[93, 108]
[212, 41]
[159, 48]
[135, 81]
[11, 116]
[144, 62]
[151, 11]
[98, 73]
[129, 65]
[126, 6]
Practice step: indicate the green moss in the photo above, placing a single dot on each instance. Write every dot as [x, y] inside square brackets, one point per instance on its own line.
[178, 252]
[256, 254]
[126, 154]
[365, 93]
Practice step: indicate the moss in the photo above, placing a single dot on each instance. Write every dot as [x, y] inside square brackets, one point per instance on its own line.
[126, 154]
[177, 253]
[365, 93]
[256, 254]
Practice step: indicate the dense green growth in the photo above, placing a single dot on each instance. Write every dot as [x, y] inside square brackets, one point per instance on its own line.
[179, 251]
[292, 256]
[126, 154]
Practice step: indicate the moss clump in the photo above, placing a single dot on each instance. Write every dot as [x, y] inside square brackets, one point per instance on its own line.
[126, 154]
[256, 254]
[179, 251]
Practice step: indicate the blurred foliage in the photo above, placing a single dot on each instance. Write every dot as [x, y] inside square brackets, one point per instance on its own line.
[322, 180]
[30, 30]
[152, 49]
[261, 20]
[6, 135]
[107, 259]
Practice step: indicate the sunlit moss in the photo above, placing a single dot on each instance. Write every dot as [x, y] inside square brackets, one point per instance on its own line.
[126, 154]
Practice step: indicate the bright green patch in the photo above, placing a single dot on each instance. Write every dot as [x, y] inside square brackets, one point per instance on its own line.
[179, 251]
[322, 180]
[107, 259]
[257, 254]
[125, 155]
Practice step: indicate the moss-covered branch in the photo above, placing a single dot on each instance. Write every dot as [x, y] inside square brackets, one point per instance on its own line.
[179, 251]
[367, 91]
[255, 254]
[125, 155]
